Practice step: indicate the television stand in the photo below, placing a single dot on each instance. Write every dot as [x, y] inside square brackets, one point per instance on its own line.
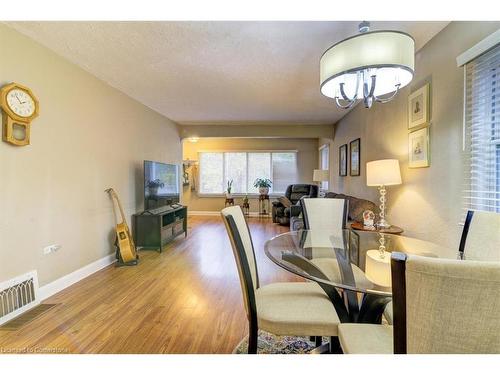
[153, 229]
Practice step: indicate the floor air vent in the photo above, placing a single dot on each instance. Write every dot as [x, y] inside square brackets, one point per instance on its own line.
[18, 295]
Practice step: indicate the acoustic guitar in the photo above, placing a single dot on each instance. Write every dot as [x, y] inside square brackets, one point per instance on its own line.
[123, 238]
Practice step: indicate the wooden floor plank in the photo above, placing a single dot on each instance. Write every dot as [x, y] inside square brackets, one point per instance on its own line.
[185, 300]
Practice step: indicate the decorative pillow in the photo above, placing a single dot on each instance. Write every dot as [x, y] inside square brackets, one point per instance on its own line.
[285, 202]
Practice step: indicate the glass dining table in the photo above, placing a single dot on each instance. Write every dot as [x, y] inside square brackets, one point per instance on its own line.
[352, 267]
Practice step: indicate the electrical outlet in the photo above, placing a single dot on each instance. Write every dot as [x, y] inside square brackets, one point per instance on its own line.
[51, 249]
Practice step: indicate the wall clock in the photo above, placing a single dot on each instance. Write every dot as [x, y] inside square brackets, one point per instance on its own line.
[19, 107]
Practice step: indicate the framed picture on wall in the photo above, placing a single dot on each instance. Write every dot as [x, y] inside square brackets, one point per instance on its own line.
[343, 160]
[418, 148]
[418, 107]
[354, 157]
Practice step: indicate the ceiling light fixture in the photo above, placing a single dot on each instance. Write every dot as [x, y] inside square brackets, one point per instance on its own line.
[367, 66]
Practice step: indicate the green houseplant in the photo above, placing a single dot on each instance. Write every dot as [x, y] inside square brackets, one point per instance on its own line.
[154, 185]
[263, 184]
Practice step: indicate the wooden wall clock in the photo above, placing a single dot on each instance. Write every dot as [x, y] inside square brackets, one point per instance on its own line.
[19, 107]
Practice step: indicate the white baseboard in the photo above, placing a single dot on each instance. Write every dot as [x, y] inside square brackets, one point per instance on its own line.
[217, 213]
[62, 283]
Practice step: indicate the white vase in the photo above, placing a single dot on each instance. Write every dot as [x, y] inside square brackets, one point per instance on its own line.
[263, 190]
[229, 195]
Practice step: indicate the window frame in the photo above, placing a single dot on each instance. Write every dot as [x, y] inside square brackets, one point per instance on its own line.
[471, 194]
[247, 152]
[324, 149]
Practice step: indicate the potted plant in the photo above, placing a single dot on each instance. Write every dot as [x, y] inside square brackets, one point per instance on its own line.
[154, 185]
[229, 188]
[263, 184]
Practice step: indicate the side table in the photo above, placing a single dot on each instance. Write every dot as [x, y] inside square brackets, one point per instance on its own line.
[391, 230]
[229, 202]
[264, 205]
[381, 232]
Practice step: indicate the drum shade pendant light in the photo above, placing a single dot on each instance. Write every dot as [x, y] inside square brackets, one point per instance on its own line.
[372, 66]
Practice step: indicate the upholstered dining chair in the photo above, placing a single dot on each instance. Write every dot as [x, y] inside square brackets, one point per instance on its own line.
[440, 306]
[325, 213]
[328, 217]
[480, 241]
[285, 308]
[481, 236]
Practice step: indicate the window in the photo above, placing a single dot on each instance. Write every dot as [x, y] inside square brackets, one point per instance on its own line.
[324, 163]
[216, 168]
[211, 179]
[482, 132]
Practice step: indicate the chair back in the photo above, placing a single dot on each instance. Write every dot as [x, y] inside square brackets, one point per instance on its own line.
[481, 236]
[241, 242]
[325, 214]
[445, 306]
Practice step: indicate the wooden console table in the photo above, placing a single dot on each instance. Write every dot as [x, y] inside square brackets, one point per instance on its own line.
[154, 229]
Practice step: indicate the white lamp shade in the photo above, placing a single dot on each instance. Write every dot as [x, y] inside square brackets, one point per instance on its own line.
[383, 172]
[378, 269]
[391, 55]
[321, 175]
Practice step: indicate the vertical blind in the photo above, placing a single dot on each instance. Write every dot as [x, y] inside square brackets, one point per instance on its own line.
[482, 132]
[217, 168]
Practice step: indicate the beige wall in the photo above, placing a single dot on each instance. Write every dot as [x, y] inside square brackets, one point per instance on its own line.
[88, 137]
[428, 204]
[307, 160]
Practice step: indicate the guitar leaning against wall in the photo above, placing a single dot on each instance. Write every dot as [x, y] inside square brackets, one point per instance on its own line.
[127, 251]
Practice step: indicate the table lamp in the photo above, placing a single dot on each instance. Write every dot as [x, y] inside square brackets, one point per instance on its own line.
[383, 173]
[320, 175]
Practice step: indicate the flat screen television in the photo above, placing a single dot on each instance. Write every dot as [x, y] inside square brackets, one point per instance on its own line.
[161, 184]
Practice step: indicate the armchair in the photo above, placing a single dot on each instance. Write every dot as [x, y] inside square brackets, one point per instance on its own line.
[281, 214]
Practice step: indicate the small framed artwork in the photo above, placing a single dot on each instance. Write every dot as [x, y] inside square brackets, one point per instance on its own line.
[418, 107]
[418, 148]
[343, 160]
[354, 157]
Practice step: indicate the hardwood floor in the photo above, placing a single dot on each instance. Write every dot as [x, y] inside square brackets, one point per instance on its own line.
[185, 300]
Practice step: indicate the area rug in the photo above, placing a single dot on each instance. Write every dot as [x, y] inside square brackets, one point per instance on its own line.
[272, 344]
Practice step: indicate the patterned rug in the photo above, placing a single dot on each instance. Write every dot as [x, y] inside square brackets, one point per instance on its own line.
[272, 344]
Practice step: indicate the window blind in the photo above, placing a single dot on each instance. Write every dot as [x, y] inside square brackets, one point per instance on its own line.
[482, 132]
[217, 168]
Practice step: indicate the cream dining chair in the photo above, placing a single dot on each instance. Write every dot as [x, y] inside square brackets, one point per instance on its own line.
[440, 306]
[285, 308]
[327, 218]
[481, 236]
[480, 241]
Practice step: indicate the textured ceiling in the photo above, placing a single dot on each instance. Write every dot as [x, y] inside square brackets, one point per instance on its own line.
[212, 72]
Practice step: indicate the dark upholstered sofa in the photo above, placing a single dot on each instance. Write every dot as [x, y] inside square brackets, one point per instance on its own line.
[356, 208]
[293, 193]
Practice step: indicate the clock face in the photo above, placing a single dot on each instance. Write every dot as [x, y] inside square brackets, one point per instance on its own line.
[20, 102]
